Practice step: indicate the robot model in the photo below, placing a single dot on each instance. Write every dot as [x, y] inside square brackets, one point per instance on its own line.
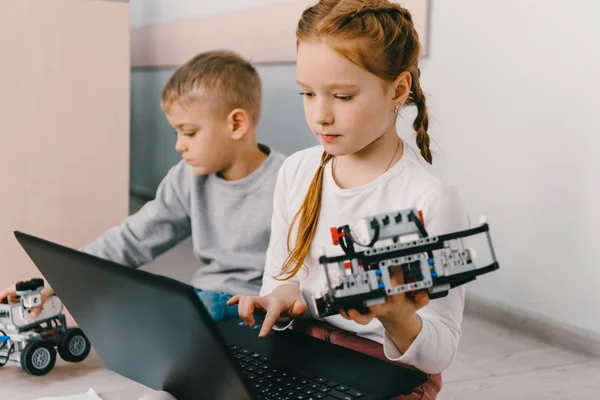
[32, 341]
[399, 240]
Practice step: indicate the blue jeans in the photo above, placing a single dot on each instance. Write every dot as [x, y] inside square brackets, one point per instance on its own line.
[216, 305]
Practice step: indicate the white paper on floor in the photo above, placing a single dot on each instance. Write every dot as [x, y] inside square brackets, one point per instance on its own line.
[89, 395]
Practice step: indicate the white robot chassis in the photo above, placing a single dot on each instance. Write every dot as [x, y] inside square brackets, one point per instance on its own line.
[33, 341]
[433, 263]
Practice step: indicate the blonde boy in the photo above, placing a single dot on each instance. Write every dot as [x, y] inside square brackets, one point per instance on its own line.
[220, 193]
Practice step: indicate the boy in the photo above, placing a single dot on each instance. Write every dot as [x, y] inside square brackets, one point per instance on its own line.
[221, 192]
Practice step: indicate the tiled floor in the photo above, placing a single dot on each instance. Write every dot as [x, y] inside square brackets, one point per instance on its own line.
[493, 363]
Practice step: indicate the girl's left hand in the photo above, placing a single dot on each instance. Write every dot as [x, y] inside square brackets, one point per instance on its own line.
[396, 309]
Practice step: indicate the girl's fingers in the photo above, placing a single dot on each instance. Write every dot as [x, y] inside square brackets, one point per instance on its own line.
[344, 314]
[269, 322]
[357, 317]
[246, 310]
[421, 299]
[234, 300]
[397, 275]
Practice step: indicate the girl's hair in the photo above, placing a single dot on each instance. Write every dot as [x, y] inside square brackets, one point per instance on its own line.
[380, 37]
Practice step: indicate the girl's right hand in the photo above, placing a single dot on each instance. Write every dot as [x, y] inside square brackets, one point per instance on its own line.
[282, 305]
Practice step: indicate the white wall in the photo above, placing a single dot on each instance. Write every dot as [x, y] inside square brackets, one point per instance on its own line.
[514, 87]
[514, 94]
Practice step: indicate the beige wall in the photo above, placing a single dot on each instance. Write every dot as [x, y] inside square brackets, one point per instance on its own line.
[263, 33]
[64, 123]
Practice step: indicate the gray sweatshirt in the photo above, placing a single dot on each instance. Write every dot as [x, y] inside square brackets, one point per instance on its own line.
[230, 224]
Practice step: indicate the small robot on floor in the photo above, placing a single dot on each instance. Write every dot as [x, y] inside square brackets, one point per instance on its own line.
[398, 239]
[33, 341]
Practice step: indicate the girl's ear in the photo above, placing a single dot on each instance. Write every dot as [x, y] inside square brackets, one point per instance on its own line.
[402, 86]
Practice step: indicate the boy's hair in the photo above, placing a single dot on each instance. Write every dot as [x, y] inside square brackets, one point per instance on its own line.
[380, 37]
[222, 78]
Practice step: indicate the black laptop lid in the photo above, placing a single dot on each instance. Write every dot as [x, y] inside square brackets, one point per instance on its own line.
[146, 327]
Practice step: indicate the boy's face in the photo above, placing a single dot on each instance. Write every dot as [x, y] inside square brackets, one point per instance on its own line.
[345, 106]
[203, 137]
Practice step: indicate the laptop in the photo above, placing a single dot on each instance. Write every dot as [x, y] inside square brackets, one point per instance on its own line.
[156, 331]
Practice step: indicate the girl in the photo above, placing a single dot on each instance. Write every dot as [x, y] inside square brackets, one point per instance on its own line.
[357, 65]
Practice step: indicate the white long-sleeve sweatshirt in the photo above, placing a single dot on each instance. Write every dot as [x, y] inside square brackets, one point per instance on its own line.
[408, 184]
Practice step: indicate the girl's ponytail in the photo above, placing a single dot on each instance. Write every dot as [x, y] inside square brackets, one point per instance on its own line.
[309, 217]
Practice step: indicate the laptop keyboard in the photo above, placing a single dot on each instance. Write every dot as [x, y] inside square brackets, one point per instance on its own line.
[271, 382]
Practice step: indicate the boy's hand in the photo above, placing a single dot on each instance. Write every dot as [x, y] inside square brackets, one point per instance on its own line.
[9, 296]
[284, 303]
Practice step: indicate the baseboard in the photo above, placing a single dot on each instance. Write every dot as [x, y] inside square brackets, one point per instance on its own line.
[554, 332]
[142, 192]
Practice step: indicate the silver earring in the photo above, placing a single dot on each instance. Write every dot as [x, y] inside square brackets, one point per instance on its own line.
[396, 109]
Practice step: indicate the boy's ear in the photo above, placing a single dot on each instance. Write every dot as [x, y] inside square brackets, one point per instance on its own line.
[239, 123]
[402, 86]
